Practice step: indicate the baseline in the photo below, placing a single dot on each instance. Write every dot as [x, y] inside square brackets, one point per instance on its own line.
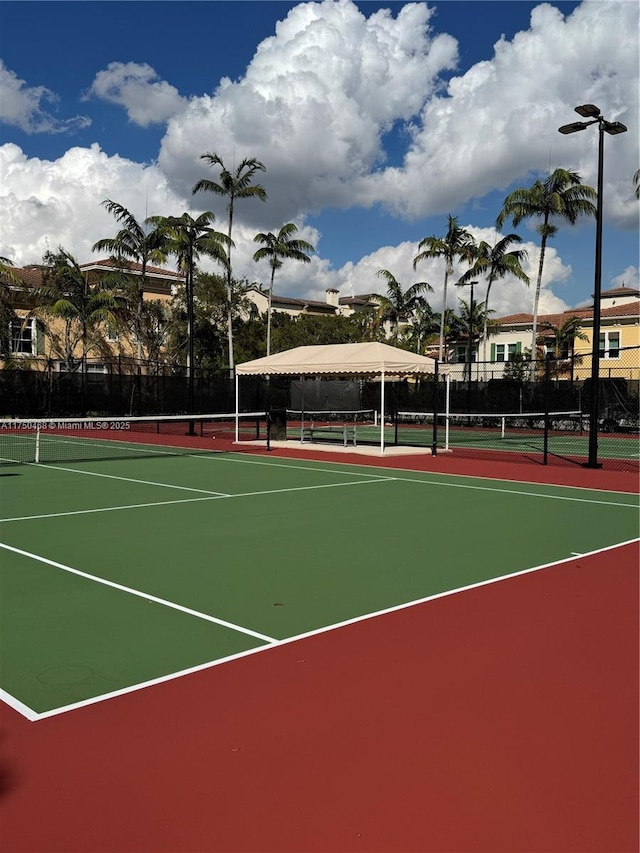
[317, 631]
[147, 597]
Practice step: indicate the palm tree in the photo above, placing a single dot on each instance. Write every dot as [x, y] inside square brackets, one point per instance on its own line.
[564, 337]
[65, 293]
[233, 185]
[188, 239]
[8, 316]
[457, 243]
[276, 248]
[398, 304]
[563, 196]
[133, 243]
[495, 262]
[448, 325]
[424, 323]
[472, 322]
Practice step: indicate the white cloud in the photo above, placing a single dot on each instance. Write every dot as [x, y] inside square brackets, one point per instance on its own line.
[498, 121]
[137, 88]
[314, 103]
[51, 203]
[629, 278]
[508, 296]
[22, 106]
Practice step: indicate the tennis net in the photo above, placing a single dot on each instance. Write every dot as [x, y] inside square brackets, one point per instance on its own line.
[85, 439]
[462, 429]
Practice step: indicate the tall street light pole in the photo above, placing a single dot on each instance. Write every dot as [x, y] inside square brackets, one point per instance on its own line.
[613, 128]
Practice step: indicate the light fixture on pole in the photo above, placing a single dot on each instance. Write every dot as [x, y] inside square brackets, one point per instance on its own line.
[613, 128]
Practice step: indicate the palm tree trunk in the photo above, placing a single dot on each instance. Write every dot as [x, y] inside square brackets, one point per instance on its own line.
[484, 330]
[273, 272]
[536, 299]
[229, 306]
[442, 316]
[139, 310]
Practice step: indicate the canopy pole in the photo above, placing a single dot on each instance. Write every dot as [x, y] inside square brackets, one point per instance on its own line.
[382, 412]
[447, 412]
[237, 408]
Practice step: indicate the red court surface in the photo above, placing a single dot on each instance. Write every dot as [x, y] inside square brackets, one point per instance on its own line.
[503, 718]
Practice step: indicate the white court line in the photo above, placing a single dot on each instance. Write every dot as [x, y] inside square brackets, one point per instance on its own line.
[126, 479]
[373, 477]
[298, 637]
[455, 485]
[18, 706]
[517, 492]
[228, 458]
[103, 509]
[213, 497]
[139, 594]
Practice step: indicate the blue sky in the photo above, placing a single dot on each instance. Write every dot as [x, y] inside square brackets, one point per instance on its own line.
[372, 127]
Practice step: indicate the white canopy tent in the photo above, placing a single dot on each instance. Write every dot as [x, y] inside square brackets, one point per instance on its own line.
[367, 361]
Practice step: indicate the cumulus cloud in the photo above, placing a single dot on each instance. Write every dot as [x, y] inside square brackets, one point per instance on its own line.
[137, 88]
[498, 122]
[23, 106]
[51, 203]
[507, 296]
[315, 102]
[629, 278]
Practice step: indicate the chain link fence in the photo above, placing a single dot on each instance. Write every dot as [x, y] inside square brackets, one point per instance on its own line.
[513, 411]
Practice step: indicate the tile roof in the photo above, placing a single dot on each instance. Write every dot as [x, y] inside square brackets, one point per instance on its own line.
[361, 299]
[303, 303]
[623, 290]
[630, 309]
[31, 276]
[107, 263]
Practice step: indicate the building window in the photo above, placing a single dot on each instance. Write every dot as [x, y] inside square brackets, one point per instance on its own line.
[23, 337]
[112, 333]
[462, 354]
[504, 352]
[550, 350]
[609, 344]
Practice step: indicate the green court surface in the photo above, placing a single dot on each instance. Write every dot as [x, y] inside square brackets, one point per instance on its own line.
[121, 572]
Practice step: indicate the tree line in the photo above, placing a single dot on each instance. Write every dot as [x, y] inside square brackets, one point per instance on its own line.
[210, 321]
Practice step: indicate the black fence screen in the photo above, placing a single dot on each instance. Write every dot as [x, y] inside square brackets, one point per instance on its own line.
[510, 415]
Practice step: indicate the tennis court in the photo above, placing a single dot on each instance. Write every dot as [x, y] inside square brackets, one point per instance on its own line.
[124, 573]
[530, 436]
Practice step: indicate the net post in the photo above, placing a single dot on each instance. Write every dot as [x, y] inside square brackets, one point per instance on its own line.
[36, 455]
[434, 437]
[268, 430]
